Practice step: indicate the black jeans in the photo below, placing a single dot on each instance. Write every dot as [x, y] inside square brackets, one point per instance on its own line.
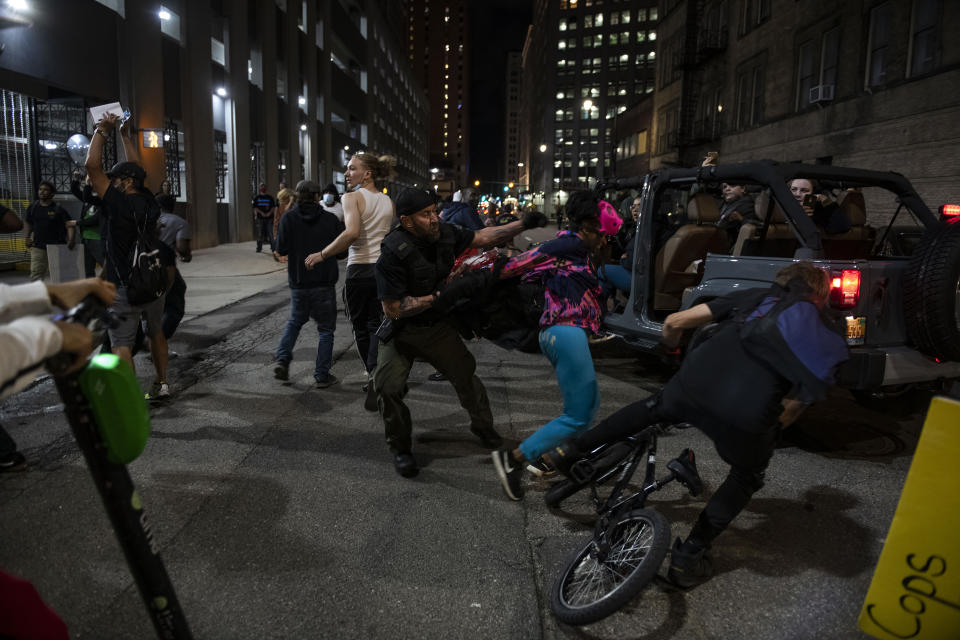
[92, 255]
[264, 231]
[7, 446]
[747, 453]
[365, 311]
[174, 306]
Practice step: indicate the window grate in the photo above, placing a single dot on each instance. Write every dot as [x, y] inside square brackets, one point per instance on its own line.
[172, 157]
[220, 162]
[16, 183]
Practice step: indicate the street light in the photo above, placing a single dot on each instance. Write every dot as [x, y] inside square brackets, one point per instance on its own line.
[476, 183]
[543, 148]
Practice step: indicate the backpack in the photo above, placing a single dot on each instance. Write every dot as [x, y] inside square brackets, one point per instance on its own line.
[789, 333]
[148, 273]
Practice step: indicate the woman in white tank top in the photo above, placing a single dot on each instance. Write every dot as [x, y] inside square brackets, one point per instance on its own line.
[368, 216]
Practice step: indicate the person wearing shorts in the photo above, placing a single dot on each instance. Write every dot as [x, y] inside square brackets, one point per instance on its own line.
[129, 210]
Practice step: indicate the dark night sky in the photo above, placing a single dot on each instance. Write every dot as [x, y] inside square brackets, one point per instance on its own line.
[497, 26]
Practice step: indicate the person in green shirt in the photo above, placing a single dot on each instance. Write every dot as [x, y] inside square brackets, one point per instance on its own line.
[89, 224]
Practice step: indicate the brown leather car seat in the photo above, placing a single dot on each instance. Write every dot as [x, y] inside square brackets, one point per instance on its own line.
[689, 243]
[859, 240]
[780, 240]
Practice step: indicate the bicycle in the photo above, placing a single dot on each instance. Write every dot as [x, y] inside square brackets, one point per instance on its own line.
[109, 420]
[629, 541]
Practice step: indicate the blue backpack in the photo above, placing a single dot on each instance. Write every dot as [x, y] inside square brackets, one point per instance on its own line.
[788, 333]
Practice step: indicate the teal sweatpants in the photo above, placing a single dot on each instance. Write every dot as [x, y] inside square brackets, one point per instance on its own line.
[569, 352]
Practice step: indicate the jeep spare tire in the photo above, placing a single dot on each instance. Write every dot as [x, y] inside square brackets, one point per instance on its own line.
[931, 295]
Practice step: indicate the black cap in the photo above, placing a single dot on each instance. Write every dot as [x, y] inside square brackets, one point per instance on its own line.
[331, 188]
[307, 186]
[127, 169]
[412, 200]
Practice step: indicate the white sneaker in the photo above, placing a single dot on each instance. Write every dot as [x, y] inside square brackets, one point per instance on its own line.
[158, 391]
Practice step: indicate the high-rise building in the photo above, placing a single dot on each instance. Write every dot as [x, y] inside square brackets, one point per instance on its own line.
[513, 165]
[438, 47]
[584, 62]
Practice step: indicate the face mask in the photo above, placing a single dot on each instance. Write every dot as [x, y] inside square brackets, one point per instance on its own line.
[328, 199]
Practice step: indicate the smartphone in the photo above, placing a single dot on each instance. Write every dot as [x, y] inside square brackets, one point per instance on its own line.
[810, 200]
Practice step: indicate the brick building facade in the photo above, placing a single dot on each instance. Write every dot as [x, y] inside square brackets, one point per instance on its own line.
[867, 83]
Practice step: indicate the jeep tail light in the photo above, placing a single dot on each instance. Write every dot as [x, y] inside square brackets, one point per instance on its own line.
[950, 210]
[844, 288]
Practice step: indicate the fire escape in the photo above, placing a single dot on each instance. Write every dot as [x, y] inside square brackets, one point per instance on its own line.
[705, 38]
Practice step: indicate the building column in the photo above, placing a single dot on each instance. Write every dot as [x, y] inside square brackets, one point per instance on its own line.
[330, 156]
[266, 19]
[141, 86]
[291, 43]
[197, 110]
[312, 158]
[238, 51]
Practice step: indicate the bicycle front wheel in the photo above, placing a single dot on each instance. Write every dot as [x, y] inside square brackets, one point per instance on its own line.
[591, 588]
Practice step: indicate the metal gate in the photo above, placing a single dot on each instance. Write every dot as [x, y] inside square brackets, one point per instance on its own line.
[16, 173]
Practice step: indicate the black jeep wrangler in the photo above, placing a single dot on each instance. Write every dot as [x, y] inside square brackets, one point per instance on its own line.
[895, 274]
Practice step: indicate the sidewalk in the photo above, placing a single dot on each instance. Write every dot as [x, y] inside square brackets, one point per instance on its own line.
[216, 277]
[222, 275]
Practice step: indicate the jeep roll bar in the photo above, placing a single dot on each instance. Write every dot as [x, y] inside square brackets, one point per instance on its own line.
[776, 175]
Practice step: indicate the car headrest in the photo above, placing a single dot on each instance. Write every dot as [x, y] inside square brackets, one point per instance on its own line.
[702, 208]
[853, 205]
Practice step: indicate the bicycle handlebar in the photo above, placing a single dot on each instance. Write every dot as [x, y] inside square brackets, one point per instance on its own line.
[92, 313]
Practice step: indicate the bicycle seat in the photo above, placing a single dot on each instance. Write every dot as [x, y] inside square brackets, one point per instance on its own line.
[684, 469]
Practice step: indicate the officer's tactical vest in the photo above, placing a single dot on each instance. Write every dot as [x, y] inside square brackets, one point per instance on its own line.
[423, 276]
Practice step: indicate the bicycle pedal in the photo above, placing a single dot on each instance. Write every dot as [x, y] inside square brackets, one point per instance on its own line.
[684, 469]
[581, 471]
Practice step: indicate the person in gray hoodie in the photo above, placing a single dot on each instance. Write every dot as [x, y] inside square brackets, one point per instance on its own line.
[305, 229]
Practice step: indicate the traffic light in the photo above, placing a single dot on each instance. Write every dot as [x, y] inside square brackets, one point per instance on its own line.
[510, 185]
[476, 183]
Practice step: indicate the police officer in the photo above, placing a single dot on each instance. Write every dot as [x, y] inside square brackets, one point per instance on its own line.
[415, 260]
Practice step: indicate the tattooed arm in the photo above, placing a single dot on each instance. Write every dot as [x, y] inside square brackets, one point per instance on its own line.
[492, 236]
[407, 306]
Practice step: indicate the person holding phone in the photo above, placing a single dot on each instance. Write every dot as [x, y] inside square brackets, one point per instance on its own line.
[826, 213]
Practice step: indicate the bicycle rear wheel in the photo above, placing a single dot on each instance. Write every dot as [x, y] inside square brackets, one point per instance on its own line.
[590, 589]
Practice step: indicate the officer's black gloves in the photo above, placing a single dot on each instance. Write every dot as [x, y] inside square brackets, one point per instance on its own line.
[533, 219]
[466, 286]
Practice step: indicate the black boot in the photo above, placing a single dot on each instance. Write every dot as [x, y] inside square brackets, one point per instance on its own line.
[689, 565]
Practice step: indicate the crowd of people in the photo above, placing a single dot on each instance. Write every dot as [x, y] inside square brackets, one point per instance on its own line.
[402, 292]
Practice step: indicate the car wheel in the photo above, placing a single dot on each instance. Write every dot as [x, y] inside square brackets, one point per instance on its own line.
[932, 293]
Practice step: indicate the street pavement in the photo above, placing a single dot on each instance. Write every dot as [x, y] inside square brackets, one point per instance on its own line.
[279, 515]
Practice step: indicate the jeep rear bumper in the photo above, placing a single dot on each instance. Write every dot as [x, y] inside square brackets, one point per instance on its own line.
[880, 367]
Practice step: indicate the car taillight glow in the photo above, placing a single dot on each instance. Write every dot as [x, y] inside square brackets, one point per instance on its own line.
[845, 288]
[950, 210]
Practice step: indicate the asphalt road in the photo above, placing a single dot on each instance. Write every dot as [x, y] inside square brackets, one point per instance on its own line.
[279, 514]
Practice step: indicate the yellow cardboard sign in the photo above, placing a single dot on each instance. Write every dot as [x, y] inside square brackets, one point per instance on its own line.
[915, 592]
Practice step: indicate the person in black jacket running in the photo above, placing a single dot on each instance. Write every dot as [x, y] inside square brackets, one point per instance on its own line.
[305, 229]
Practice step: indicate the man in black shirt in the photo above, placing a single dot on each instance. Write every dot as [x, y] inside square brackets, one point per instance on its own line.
[129, 210]
[414, 263]
[46, 223]
[264, 208]
[740, 412]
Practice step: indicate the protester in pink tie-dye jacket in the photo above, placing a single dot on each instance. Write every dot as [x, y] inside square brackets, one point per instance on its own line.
[572, 311]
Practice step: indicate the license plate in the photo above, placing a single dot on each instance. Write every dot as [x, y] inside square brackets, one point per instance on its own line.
[856, 329]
